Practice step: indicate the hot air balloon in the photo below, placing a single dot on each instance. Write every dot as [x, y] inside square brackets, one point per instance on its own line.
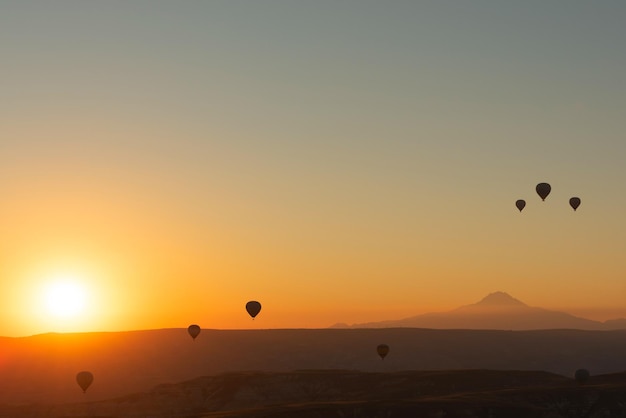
[253, 307]
[581, 376]
[574, 202]
[382, 350]
[84, 380]
[543, 190]
[193, 330]
[520, 204]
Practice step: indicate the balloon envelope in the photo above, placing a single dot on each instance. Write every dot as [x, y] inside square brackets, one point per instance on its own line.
[253, 307]
[520, 204]
[382, 350]
[581, 375]
[193, 330]
[543, 190]
[574, 202]
[84, 380]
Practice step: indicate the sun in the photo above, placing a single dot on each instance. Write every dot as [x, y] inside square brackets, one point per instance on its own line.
[65, 298]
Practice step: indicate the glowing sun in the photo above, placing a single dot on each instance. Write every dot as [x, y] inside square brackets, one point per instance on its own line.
[65, 298]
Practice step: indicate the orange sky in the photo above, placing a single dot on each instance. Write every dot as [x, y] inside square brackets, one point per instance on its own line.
[344, 165]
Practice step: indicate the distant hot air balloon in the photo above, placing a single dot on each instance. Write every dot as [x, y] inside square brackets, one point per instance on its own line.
[84, 380]
[574, 202]
[253, 307]
[520, 204]
[543, 190]
[382, 350]
[581, 376]
[193, 330]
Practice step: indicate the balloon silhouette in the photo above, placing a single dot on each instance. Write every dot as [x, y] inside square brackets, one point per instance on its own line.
[193, 330]
[574, 202]
[253, 307]
[382, 350]
[520, 204]
[581, 376]
[84, 380]
[543, 190]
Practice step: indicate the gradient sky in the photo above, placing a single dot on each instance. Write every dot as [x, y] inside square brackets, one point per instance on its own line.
[339, 161]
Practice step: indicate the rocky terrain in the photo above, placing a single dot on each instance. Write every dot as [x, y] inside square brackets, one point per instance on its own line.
[250, 373]
[42, 369]
[340, 393]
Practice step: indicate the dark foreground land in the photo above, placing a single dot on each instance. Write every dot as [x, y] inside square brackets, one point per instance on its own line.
[165, 374]
[42, 369]
[338, 393]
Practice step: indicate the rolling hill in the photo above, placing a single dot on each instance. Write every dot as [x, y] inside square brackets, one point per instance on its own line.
[344, 393]
[42, 368]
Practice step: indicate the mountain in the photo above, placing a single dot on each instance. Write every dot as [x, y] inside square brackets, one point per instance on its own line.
[497, 310]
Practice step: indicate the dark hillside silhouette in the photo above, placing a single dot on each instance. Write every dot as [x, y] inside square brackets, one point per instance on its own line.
[43, 368]
[336, 393]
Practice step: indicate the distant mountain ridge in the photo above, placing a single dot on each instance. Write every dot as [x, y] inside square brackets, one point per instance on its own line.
[497, 311]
